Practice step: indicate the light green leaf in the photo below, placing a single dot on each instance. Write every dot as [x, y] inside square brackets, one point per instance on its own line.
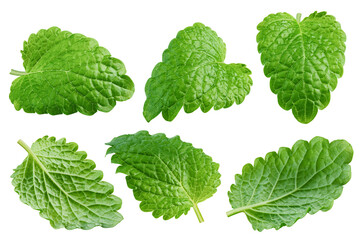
[167, 175]
[67, 73]
[303, 60]
[62, 184]
[284, 187]
[193, 74]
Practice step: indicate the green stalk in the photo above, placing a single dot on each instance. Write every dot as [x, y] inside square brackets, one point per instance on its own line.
[198, 213]
[298, 17]
[17, 73]
[26, 147]
[233, 212]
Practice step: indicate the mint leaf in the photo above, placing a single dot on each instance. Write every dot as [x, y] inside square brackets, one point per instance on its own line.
[167, 175]
[67, 73]
[193, 74]
[62, 184]
[285, 186]
[302, 59]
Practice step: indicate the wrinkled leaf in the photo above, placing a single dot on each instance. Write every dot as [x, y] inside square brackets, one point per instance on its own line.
[62, 184]
[167, 175]
[193, 74]
[285, 186]
[67, 73]
[303, 60]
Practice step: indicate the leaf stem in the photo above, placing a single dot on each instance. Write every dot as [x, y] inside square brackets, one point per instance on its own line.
[233, 212]
[198, 213]
[298, 17]
[17, 73]
[26, 147]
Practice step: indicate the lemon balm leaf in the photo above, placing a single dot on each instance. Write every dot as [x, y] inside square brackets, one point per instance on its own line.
[285, 186]
[167, 175]
[193, 74]
[61, 183]
[303, 60]
[67, 73]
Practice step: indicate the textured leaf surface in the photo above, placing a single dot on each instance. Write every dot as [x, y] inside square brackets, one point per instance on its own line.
[167, 175]
[62, 184]
[285, 186]
[193, 74]
[68, 73]
[302, 59]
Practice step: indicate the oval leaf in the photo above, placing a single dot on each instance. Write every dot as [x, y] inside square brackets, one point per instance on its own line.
[60, 182]
[285, 186]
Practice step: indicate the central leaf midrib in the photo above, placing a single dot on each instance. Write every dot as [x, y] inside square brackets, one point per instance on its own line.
[179, 184]
[303, 54]
[72, 86]
[176, 180]
[244, 208]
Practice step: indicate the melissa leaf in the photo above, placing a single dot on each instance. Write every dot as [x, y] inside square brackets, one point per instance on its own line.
[303, 60]
[285, 186]
[193, 74]
[67, 73]
[167, 175]
[62, 184]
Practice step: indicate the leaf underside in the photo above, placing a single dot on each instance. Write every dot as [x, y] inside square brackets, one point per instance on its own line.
[193, 74]
[67, 73]
[302, 59]
[285, 186]
[62, 184]
[167, 175]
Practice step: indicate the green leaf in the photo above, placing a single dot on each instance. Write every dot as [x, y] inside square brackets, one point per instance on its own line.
[193, 74]
[284, 187]
[67, 73]
[62, 184]
[167, 175]
[302, 59]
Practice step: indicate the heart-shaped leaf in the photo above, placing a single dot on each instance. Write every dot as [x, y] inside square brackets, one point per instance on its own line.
[303, 60]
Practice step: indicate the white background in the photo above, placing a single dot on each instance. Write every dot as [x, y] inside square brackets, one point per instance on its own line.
[137, 32]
